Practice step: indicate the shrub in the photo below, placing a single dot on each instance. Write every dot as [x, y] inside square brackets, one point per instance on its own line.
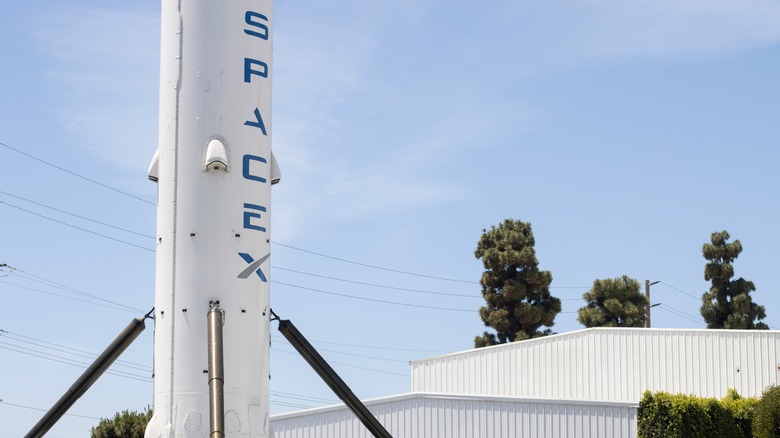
[741, 409]
[125, 424]
[766, 415]
[663, 415]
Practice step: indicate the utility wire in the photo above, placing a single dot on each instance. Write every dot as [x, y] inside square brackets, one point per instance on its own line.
[276, 243]
[303, 397]
[85, 356]
[76, 174]
[47, 282]
[677, 313]
[376, 285]
[67, 361]
[375, 347]
[300, 272]
[372, 299]
[68, 350]
[40, 280]
[473, 296]
[697, 299]
[680, 290]
[699, 318]
[344, 364]
[77, 216]
[289, 405]
[3, 402]
[374, 266]
[355, 355]
[393, 270]
[67, 297]
[76, 227]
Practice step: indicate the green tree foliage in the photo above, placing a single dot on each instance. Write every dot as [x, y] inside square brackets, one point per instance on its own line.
[728, 304]
[127, 424]
[663, 415]
[516, 292]
[613, 302]
[766, 415]
[741, 409]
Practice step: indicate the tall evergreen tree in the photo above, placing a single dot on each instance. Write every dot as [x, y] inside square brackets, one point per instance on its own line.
[517, 294]
[728, 304]
[613, 302]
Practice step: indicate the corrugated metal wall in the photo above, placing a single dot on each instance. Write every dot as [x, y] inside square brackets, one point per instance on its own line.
[610, 364]
[437, 416]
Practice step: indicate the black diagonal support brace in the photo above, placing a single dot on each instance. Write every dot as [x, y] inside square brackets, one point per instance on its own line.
[82, 384]
[332, 379]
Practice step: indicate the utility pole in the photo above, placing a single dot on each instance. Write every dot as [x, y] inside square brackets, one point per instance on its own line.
[648, 306]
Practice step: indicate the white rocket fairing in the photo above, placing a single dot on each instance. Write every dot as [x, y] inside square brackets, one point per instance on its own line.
[214, 170]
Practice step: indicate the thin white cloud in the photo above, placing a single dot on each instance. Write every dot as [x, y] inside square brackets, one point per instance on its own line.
[336, 170]
[619, 28]
[346, 131]
[107, 71]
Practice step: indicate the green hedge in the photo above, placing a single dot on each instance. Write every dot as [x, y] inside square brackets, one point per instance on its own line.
[742, 409]
[766, 415]
[663, 415]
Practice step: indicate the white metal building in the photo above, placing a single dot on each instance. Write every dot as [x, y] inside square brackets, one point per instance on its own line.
[585, 383]
[466, 416]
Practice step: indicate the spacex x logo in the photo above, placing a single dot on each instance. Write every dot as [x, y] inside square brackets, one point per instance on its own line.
[254, 266]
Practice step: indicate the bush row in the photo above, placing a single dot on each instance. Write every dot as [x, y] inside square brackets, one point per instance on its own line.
[663, 415]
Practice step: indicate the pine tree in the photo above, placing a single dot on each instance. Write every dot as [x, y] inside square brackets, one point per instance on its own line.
[517, 295]
[613, 302]
[728, 304]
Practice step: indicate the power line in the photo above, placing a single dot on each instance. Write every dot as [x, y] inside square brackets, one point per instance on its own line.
[67, 361]
[291, 270]
[76, 227]
[373, 266]
[375, 284]
[85, 356]
[276, 243]
[345, 364]
[77, 175]
[392, 270]
[303, 397]
[354, 355]
[375, 347]
[680, 290]
[47, 282]
[67, 350]
[677, 313]
[289, 405]
[693, 297]
[372, 299]
[44, 410]
[67, 297]
[76, 215]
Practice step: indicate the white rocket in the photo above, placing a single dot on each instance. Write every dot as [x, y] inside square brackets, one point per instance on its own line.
[214, 170]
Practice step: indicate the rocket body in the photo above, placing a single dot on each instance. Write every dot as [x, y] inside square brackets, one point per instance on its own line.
[214, 172]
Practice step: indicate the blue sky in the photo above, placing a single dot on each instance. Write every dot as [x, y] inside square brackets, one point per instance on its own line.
[625, 131]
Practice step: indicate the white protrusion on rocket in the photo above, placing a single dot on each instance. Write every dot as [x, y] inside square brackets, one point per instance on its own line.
[214, 169]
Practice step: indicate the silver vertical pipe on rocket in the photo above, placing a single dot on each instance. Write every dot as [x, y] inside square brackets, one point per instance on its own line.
[216, 373]
[214, 169]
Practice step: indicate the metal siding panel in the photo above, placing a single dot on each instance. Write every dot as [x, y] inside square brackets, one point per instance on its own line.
[729, 356]
[525, 420]
[745, 361]
[610, 364]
